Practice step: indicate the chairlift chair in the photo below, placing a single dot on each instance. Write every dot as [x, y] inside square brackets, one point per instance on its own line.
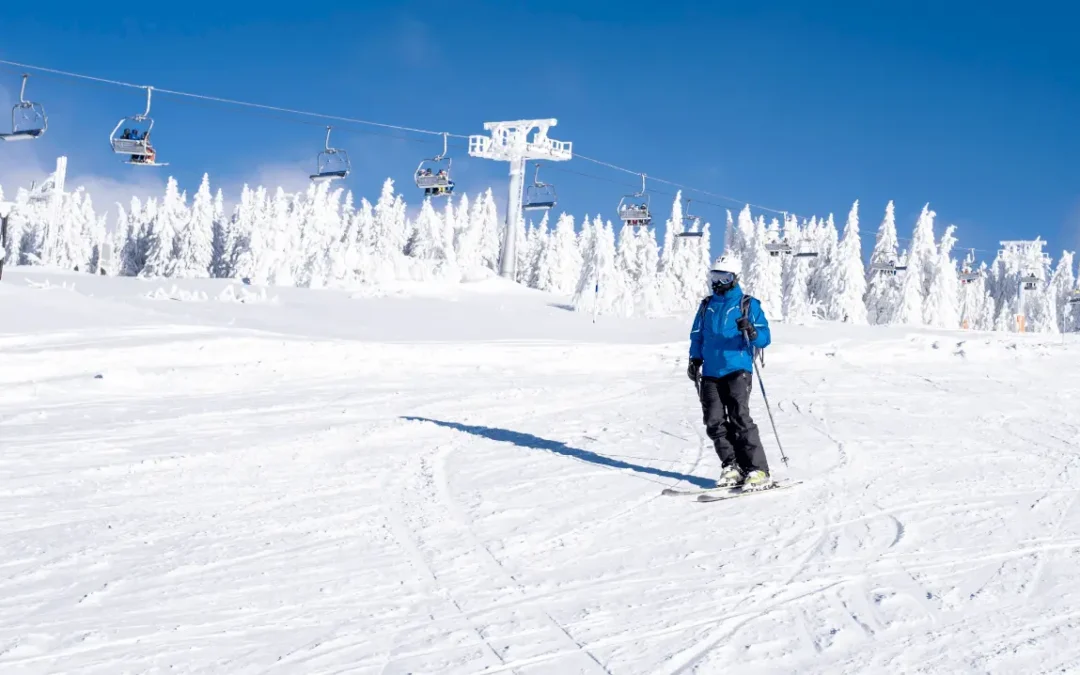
[331, 163]
[633, 211]
[134, 141]
[1074, 298]
[1029, 282]
[691, 224]
[690, 220]
[889, 268]
[28, 119]
[539, 196]
[803, 252]
[435, 181]
[967, 274]
[776, 249]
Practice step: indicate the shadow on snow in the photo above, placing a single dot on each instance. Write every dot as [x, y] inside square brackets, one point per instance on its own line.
[523, 440]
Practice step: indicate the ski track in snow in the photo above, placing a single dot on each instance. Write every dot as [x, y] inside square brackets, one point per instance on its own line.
[227, 498]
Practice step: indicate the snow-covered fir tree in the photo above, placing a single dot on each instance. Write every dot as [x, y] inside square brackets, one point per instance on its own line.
[195, 242]
[883, 284]
[1061, 284]
[942, 308]
[921, 262]
[846, 281]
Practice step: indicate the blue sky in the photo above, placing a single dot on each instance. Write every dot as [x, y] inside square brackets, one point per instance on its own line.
[971, 106]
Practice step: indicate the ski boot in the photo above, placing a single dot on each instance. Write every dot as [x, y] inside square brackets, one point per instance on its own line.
[730, 476]
[757, 480]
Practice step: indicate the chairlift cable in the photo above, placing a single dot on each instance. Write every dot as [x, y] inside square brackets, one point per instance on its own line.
[445, 135]
[228, 101]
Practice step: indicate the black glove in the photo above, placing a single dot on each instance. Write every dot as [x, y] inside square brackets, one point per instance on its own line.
[693, 369]
[744, 326]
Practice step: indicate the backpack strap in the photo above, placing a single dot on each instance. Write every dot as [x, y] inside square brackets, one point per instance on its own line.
[704, 306]
[744, 306]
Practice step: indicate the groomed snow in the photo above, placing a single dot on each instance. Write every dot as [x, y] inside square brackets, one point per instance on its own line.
[203, 477]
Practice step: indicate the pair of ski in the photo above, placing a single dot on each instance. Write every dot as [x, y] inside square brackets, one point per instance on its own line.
[716, 494]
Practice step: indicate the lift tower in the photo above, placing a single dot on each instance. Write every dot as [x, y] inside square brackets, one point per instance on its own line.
[509, 142]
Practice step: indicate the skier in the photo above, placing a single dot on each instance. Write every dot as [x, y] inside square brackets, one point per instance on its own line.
[728, 326]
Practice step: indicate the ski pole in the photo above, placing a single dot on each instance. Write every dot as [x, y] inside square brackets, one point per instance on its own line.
[768, 408]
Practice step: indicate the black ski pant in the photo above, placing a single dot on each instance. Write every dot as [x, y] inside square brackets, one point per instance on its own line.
[726, 404]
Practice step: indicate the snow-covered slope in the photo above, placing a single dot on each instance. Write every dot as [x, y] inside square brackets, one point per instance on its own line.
[204, 477]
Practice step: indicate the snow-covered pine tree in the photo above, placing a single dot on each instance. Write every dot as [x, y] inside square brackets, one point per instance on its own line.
[161, 258]
[742, 236]
[647, 297]
[1073, 324]
[1061, 284]
[489, 244]
[824, 239]
[798, 305]
[539, 240]
[560, 262]
[428, 247]
[883, 288]
[521, 251]
[389, 237]
[602, 287]
[195, 242]
[1041, 312]
[673, 227]
[449, 232]
[770, 281]
[921, 259]
[846, 277]
[729, 232]
[626, 256]
[942, 299]
[760, 275]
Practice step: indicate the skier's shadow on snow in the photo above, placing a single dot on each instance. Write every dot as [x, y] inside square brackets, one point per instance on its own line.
[523, 440]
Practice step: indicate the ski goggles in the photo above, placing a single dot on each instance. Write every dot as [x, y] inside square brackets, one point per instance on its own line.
[716, 277]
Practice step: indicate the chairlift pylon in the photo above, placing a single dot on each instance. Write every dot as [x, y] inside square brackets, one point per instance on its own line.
[28, 119]
[134, 141]
[633, 211]
[331, 163]
[435, 182]
[539, 196]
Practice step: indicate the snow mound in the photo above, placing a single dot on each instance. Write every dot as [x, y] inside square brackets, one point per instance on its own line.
[242, 295]
[231, 294]
[175, 293]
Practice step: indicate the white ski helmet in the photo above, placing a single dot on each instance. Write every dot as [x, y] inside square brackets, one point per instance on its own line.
[727, 263]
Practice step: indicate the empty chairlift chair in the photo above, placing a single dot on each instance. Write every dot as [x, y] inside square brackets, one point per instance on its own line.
[28, 119]
[331, 163]
[433, 175]
[131, 137]
[539, 196]
[691, 224]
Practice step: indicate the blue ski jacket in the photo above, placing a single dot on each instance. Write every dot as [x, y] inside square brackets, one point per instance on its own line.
[715, 337]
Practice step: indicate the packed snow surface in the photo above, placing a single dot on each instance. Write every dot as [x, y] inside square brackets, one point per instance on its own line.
[206, 477]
